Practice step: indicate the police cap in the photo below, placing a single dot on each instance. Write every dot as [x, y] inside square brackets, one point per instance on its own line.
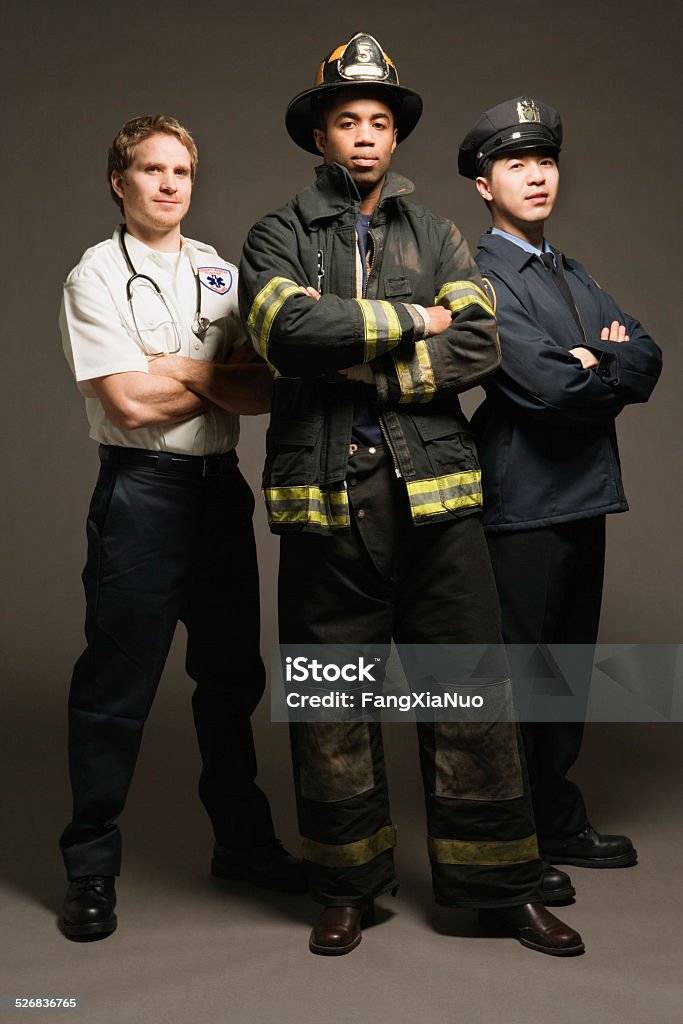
[522, 123]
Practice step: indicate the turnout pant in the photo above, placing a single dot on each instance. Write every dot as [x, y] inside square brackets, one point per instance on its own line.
[380, 579]
[550, 586]
[168, 539]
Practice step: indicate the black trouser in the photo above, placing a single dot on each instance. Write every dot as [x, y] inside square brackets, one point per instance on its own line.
[380, 579]
[165, 543]
[550, 586]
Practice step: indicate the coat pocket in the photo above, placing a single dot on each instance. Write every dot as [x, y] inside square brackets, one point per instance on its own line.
[290, 448]
[448, 445]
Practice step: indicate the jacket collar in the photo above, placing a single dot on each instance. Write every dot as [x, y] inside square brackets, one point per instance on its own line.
[334, 193]
[513, 254]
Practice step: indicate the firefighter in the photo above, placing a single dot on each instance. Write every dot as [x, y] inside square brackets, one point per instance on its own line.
[372, 313]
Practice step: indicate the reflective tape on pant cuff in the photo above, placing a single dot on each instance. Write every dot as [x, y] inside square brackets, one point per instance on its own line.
[462, 851]
[348, 855]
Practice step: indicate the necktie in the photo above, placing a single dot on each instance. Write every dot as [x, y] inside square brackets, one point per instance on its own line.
[557, 274]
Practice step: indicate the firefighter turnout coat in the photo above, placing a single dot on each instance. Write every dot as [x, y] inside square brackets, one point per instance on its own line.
[418, 258]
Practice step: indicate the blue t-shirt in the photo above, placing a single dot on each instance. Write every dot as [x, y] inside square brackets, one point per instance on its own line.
[365, 431]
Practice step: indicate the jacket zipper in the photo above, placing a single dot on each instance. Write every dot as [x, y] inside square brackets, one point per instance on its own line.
[371, 262]
[382, 424]
[578, 314]
[583, 329]
[385, 435]
[321, 270]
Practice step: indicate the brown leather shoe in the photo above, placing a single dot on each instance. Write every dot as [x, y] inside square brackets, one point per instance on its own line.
[535, 927]
[338, 930]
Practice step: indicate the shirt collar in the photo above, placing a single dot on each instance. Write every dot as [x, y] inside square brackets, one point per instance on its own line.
[522, 242]
[141, 253]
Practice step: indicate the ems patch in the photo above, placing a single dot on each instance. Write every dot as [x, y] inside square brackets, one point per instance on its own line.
[216, 279]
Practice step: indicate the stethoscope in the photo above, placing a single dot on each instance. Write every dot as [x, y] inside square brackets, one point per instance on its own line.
[200, 324]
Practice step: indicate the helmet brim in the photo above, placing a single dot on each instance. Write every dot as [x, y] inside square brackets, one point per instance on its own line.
[300, 118]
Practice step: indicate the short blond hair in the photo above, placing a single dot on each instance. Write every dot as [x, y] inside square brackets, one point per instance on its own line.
[135, 131]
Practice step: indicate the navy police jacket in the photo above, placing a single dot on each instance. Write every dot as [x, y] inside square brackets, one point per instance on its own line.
[546, 432]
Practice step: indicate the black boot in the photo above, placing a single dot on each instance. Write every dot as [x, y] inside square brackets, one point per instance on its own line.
[88, 908]
[556, 886]
[590, 849]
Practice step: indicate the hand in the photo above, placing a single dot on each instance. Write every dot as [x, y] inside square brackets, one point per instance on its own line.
[439, 319]
[615, 332]
[243, 354]
[310, 291]
[167, 366]
[584, 356]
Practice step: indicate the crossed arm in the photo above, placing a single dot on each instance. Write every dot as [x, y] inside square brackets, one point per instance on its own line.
[303, 333]
[177, 388]
[615, 332]
[243, 385]
[558, 385]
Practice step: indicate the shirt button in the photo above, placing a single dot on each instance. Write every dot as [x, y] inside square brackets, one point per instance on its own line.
[353, 481]
[372, 451]
[361, 513]
[196, 348]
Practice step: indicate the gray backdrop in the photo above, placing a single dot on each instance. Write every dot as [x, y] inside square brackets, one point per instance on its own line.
[74, 72]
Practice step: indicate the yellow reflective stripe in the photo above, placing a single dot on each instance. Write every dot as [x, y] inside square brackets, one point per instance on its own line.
[348, 855]
[443, 483]
[304, 491]
[394, 324]
[449, 504]
[462, 851]
[265, 308]
[433, 496]
[307, 504]
[382, 326]
[416, 378]
[370, 329]
[460, 294]
[405, 378]
[426, 369]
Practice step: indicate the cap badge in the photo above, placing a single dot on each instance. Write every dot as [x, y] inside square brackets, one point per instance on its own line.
[527, 110]
[363, 58]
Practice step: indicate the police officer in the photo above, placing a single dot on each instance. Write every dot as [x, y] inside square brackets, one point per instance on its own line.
[152, 333]
[571, 361]
[372, 482]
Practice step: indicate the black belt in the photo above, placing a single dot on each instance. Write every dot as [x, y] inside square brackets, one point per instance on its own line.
[168, 462]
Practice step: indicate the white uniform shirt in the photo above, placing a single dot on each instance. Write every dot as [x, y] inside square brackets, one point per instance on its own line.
[99, 335]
